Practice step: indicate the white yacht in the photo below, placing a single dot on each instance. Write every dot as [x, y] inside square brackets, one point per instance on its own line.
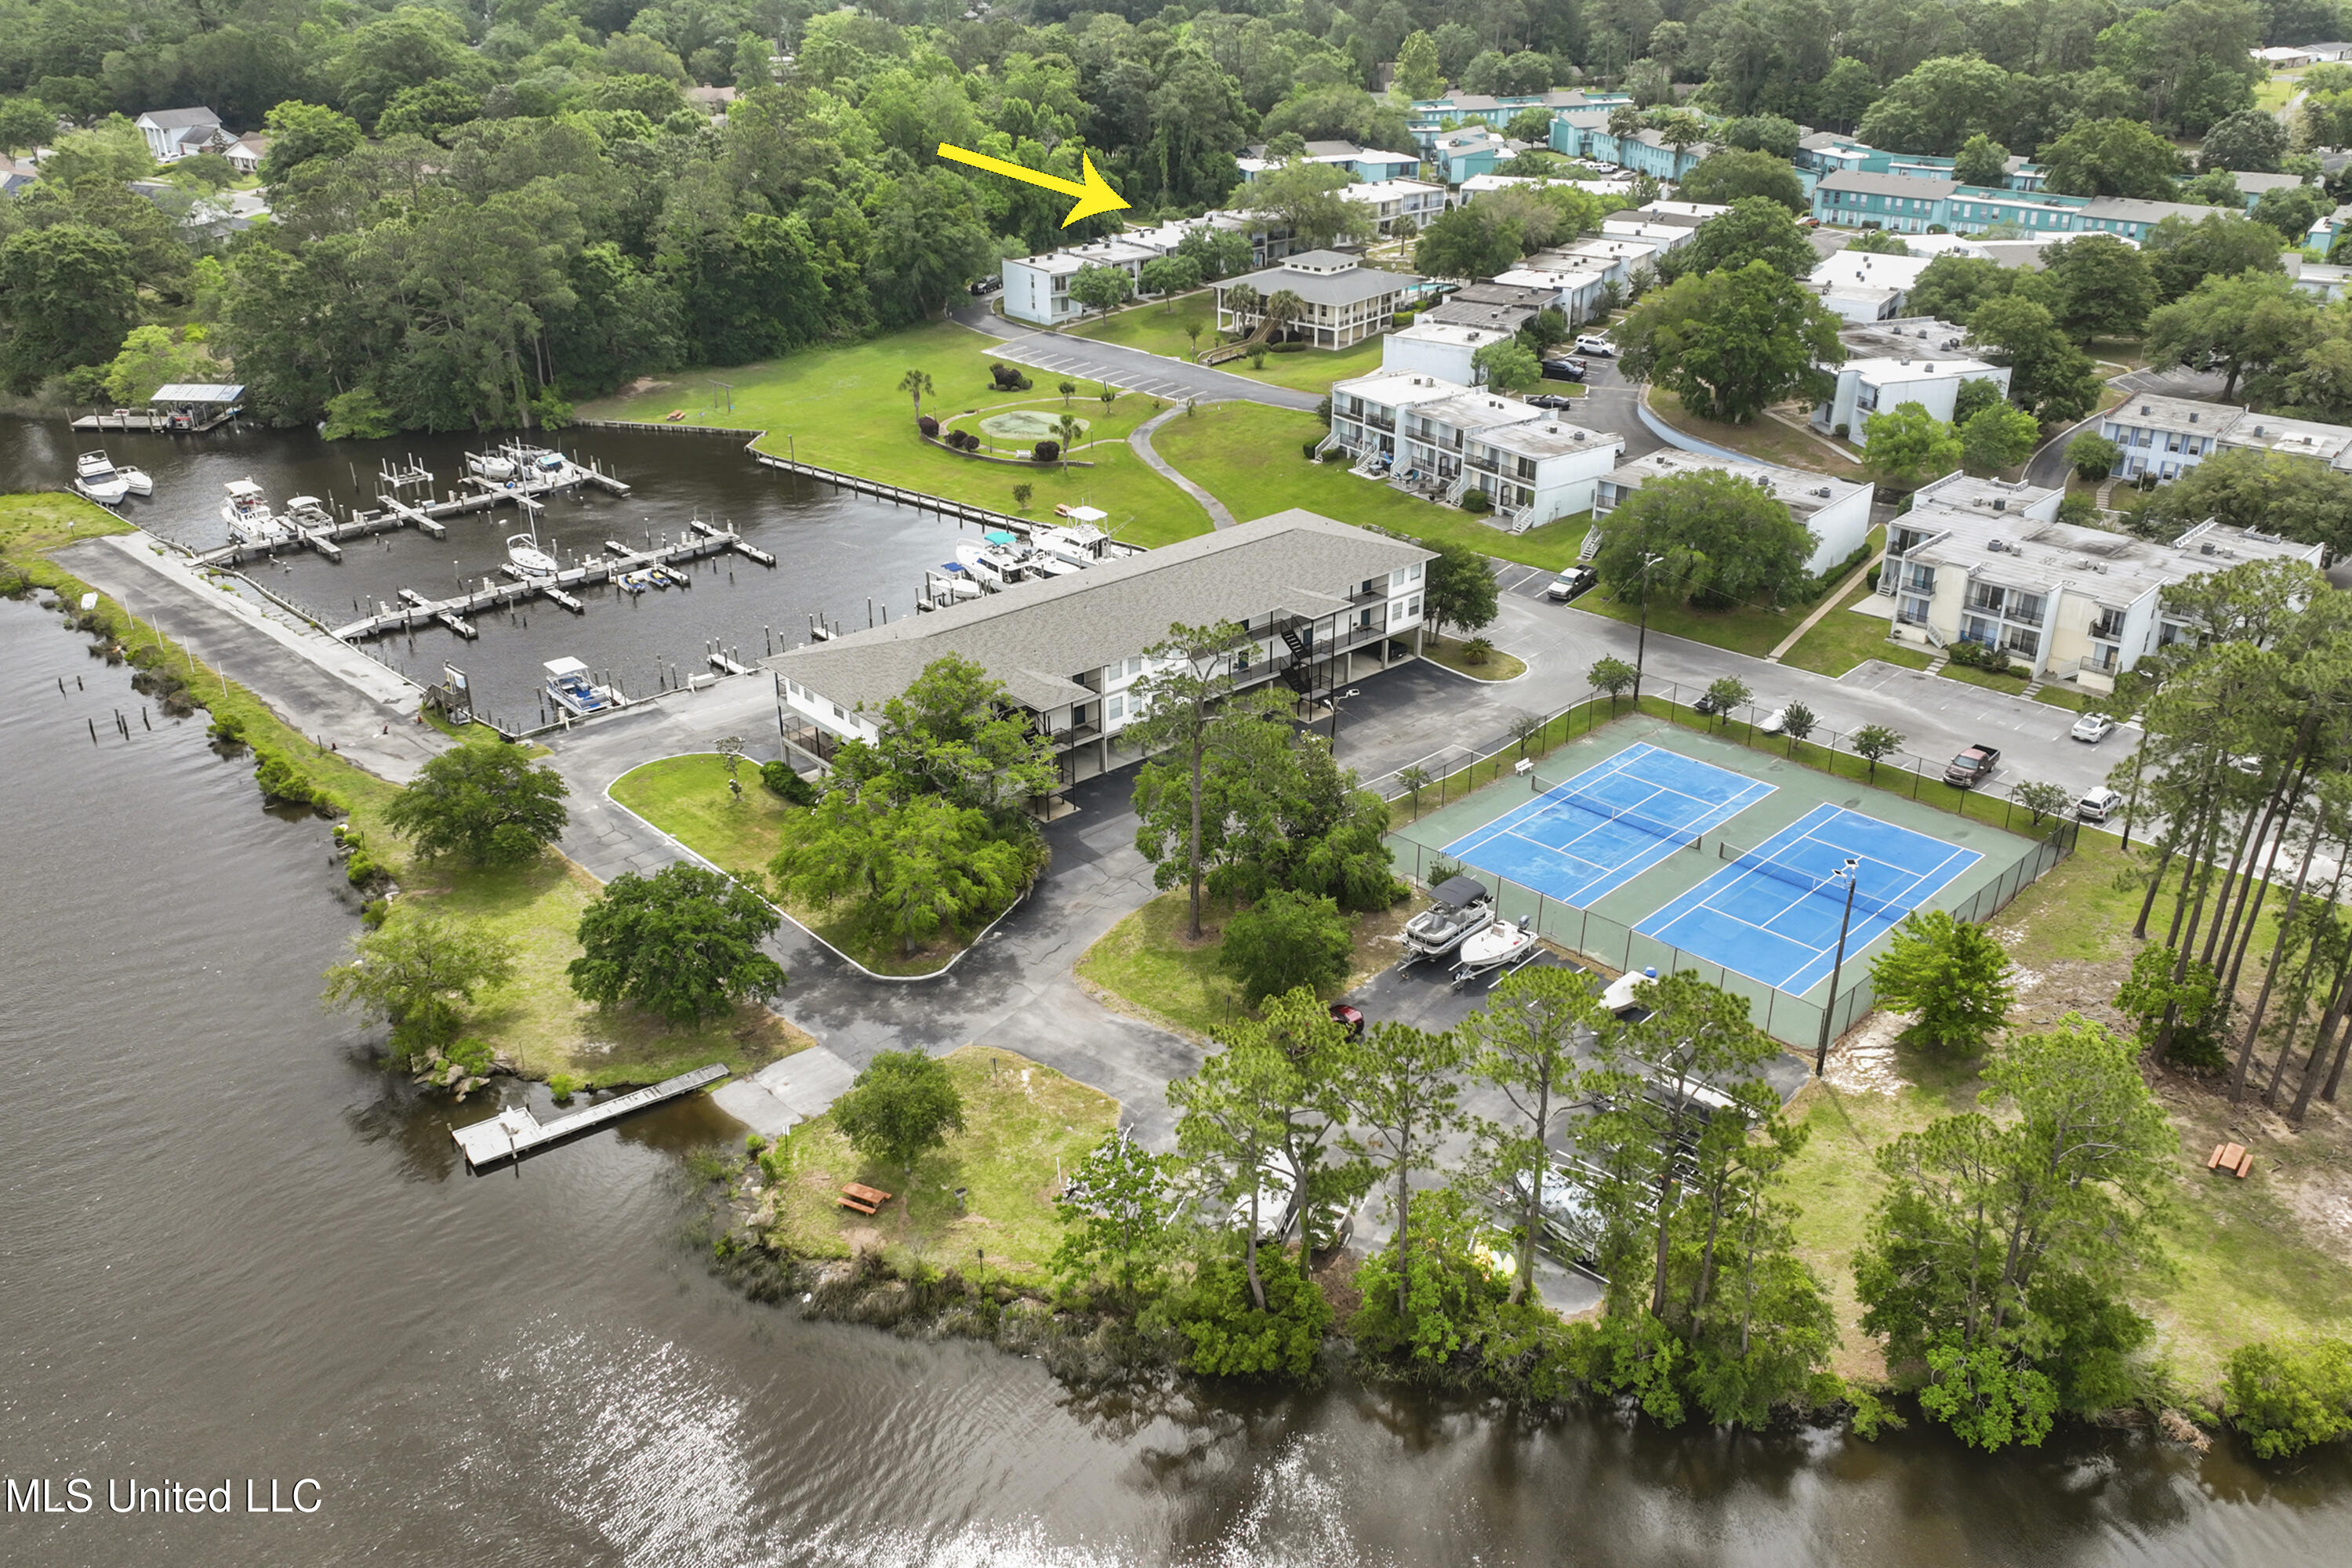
[995, 560]
[960, 583]
[249, 518]
[499, 465]
[96, 477]
[308, 511]
[1080, 546]
[568, 684]
[137, 478]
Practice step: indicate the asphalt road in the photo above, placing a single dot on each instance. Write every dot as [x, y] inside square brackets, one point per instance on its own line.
[1155, 376]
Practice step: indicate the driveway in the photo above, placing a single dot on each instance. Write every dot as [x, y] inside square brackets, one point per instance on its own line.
[1014, 991]
[1155, 376]
[1609, 404]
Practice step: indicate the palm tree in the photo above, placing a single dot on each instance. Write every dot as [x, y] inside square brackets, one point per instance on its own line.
[1244, 301]
[1192, 335]
[1283, 307]
[1069, 430]
[1065, 388]
[919, 383]
[1415, 778]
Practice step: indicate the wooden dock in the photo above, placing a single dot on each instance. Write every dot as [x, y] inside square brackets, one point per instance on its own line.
[493, 594]
[515, 1132]
[139, 419]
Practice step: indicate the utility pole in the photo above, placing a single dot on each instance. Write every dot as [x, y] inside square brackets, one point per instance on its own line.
[1837, 965]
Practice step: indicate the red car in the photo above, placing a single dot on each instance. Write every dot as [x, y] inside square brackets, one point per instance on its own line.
[1348, 1018]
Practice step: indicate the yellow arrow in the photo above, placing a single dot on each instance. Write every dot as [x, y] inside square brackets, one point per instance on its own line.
[1094, 196]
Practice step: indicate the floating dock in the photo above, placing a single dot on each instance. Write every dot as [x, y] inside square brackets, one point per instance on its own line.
[515, 1132]
[619, 561]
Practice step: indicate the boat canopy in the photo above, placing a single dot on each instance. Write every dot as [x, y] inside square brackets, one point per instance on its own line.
[1457, 891]
[1086, 514]
[295, 501]
[558, 667]
[241, 490]
[998, 536]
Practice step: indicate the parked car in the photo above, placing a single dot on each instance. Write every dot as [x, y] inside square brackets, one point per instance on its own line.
[1348, 1018]
[1569, 584]
[1772, 722]
[2092, 727]
[1972, 767]
[2098, 805]
[1592, 343]
[1550, 400]
[987, 286]
[1563, 370]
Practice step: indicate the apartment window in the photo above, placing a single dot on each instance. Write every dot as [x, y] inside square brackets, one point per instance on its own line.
[1915, 611]
[1115, 707]
[1976, 630]
[2109, 625]
[1414, 607]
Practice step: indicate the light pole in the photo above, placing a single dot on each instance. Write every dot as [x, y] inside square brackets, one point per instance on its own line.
[1853, 881]
[1642, 643]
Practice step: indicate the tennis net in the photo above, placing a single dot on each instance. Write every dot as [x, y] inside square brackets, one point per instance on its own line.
[1679, 838]
[1825, 887]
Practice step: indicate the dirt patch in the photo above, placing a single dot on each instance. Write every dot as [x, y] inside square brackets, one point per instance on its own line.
[2323, 1201]
[1335, 1274]
[1863, 1059]
[644, 385]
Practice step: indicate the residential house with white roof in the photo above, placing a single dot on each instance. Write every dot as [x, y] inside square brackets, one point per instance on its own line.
[1638, 226]
[1985, 561]
[1863, 285]
[1442, 349]
[1575, 288]
[1478, 185]
[1835, 510]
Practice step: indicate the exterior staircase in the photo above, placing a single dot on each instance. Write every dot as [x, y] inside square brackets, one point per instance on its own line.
[2032, 687]
[1937, 667]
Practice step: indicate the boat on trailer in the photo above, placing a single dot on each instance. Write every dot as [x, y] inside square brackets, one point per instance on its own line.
[1459, 908]
[1503, 944]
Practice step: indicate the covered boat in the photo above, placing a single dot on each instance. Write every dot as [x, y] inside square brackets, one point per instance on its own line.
[1458, 907]
[569, 687]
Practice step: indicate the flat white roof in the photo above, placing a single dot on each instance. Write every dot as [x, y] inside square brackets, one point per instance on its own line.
[1888, 372]
[1450, 332]
[1386, 190]
[1473, 410]
[1394, 389]
[1869, 269]
[1550, 438]
[1802, 491]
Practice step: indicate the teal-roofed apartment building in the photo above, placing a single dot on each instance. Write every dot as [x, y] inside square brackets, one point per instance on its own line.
[1826, 153]
[1909, 204]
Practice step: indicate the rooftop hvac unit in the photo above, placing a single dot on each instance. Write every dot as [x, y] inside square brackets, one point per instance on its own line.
[2001, 503]
[2143, 408]
[2192, 419]
[2205, 550]
[2258, 430]
[1949, 343]
[1998, 546]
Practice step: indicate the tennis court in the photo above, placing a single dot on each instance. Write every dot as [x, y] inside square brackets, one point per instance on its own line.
[1578, 838]
[1772, 914]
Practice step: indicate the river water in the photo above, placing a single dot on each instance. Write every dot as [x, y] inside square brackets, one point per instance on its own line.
[836, 552]
[231, 1249]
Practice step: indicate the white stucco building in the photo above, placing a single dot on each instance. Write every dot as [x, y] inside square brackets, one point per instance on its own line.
[1443, 439]
[1836, 513]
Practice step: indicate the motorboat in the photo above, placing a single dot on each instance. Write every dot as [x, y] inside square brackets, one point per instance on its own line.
[95, 476]
[137, 478]
[1080, 546]
[995, 560]
[307, 511]
[1620, 998]
[960, 583]
[1500, 944]
[499, 465]
[570, 687]
[527, 558]
[1036, 564]
[1459, 907]
[249, 518]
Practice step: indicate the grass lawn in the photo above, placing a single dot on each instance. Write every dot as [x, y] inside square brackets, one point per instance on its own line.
[2012, 684]
[1745, 628]
[2274, 93]
[538, 1022]
[1766, 440]
[2061, 697]
[2247, 1266]
[686, 797]
[841, 407]
[1158, 329]
[1451, 652]
[1145, 963]
[1248, 456]
[1024, 1126]
[1842, 639]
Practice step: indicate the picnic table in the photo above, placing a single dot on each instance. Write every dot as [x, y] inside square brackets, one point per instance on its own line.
[2234, 1158]
[864, 1199]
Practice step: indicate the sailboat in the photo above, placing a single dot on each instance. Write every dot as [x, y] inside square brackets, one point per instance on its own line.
[526, 557]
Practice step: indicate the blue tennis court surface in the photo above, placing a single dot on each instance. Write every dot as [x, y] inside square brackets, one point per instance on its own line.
[1773, 914]
[1596, 831]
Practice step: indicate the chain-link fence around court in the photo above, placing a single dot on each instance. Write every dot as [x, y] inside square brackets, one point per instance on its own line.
[1613, 943]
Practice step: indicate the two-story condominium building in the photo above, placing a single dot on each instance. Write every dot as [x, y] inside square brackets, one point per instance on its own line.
[1911, 205]
[1638, 226]
[1983, 562]
[1441, 440]
[1863, 286]
[1574, 287]
[1500, 308]
[1837, 512]
[1428, 117]
[1442, 349]
[1615, 259]
[1390, 200]
[1346, 301]
[1322, 601]
[1827, 153]
[2167, 437]
[1367, 164]
[1645, 151]
[1456, 156]
[1908, 359]
[1037, 288]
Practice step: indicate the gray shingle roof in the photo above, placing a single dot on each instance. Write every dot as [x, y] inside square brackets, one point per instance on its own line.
[174, 119]
[1916, 186]
[1348, 288]
[1034, 637]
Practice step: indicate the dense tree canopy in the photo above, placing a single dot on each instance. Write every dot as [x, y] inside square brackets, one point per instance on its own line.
[1728, 342]
[1720, 540]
